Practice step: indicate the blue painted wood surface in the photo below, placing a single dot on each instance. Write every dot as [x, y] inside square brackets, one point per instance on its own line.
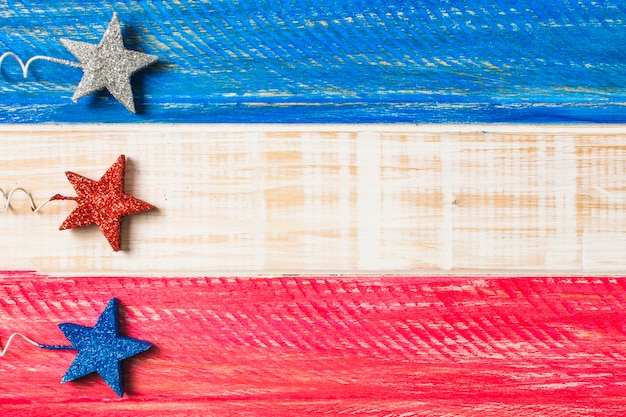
[329, 61]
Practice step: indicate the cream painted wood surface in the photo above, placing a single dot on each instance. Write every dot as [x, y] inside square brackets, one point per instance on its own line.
[267, 199]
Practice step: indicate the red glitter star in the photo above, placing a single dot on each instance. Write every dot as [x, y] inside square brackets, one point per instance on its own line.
[102, 202]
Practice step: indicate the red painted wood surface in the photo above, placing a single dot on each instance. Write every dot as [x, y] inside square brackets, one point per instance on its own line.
[298, 346]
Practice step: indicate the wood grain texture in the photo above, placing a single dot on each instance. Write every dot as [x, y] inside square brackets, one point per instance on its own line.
[394, 346]
[297, 199]
[328, 61]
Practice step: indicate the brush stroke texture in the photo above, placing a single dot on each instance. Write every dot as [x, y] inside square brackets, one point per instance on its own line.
[329, 61]
[394, 346]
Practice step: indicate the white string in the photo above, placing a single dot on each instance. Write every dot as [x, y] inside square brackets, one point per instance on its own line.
[6, 347]
[6, 199]
[36, 58]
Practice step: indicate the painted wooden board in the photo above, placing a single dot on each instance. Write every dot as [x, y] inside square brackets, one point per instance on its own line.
[328, 61]
[265, 211]
[306, 346]
[310, 199]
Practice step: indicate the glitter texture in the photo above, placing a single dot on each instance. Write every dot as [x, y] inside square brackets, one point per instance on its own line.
[102, 202]
[108, 65]
[101, 349]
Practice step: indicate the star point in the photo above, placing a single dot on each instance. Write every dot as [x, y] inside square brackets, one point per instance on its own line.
[101, 348]
[108, 65]
[103, 202]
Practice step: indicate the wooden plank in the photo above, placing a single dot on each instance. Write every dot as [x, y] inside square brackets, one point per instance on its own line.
[328, 61]
[247, 199]
[307, 346]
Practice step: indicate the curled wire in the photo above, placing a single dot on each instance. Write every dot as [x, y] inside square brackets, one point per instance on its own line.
[6, 199]
[26, 65]
[3, 351]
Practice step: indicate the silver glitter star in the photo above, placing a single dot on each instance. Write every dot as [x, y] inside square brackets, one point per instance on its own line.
[108, 65]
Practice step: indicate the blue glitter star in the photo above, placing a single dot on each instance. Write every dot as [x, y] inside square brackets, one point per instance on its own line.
[101, 348]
